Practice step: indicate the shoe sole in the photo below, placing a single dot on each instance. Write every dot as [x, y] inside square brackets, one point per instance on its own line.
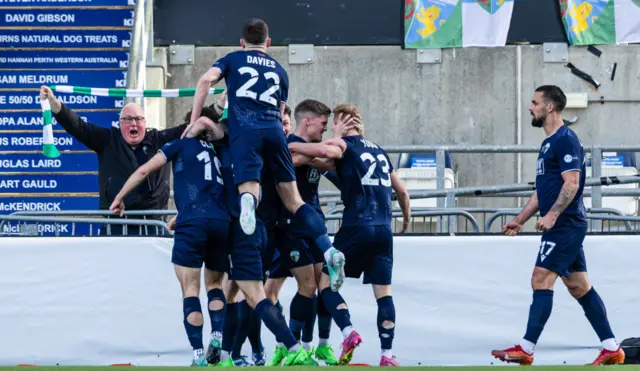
[520, 361]
[247, 214]
[347, 357]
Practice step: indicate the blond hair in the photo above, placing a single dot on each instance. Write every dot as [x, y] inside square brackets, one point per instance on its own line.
[350, 109]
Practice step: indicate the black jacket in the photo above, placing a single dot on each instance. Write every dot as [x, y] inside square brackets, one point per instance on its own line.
[117, 161]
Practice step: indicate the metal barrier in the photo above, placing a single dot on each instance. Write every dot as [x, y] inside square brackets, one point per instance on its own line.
[162, 226]
[590, 216]
[435, 213]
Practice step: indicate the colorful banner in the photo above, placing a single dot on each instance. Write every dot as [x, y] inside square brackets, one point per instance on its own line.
[594, 22]
[456, 23]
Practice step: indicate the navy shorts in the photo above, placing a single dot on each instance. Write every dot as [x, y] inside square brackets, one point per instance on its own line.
[201, 240]
[368, 250]
[245, 256]
[255, 149]
[268, 252]
[293, 253]
[561, 250]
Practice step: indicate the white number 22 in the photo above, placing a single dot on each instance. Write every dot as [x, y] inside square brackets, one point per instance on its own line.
[204, 157]
[266, 96]
[367, 179]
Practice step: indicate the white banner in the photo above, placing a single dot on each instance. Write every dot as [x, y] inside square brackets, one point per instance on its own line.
[99, 301]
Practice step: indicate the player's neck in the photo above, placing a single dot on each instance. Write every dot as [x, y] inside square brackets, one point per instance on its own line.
[352, 132]
[259, 48]
[551, 126]
[301, 134]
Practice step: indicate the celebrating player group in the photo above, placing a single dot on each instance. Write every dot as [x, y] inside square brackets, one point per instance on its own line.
[246, 190]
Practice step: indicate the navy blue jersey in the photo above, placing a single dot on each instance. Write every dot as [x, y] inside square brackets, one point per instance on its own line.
[307, 180]
[198, 187]
[364, 174]
[332, 177]
[230, 189]
[561, 152]
[256, 85]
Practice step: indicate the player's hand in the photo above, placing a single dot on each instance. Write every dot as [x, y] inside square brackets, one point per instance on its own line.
[172, 223]
[546, 222]
[512, 228]
[188, 129]
[47, 94]
[405, 225]
[117, 207]
[340, 124]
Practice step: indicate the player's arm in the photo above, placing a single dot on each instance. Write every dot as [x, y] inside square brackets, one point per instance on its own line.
[323, 164]
[203, 124]
[332, 150]
[403, 200]
[154, 164]
[513, 227]
[567, 192]
[211, 77]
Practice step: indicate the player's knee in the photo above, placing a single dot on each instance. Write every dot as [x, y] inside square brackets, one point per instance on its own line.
[195, 318]
[578, 290]
[307, 287]
[342, 306]
[542, 279]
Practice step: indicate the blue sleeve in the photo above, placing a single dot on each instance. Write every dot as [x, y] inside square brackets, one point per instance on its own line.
[223, 65]
[569, 152]
[171, 149]
[332, 177]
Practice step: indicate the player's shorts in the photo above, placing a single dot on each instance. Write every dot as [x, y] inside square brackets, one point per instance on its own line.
[255, 149]
[201, 240]
[245, 256]
[293, 253]
[368, 250]
[561, 250]
[268, 252]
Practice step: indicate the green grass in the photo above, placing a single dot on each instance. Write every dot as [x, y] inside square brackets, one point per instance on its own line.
[341, 368]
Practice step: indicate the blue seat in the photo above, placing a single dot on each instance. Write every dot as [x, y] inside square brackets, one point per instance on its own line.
[617, 159]
[422, 160]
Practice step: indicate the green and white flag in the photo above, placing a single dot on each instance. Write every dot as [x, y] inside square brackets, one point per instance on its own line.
[456, 23]
[49, 149]
[594, 22]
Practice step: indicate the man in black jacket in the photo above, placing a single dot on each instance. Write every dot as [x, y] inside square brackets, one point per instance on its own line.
[120, 152]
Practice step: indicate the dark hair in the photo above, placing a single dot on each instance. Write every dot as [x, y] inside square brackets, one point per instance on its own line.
[255, 31]
[311, 106]
[287, 110]
[206, 112]
[554, 95]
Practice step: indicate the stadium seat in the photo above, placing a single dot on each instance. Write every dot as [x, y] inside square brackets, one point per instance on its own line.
[617, 164]
[418, 172]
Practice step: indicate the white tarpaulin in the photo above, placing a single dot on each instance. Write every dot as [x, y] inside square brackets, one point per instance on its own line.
[97, 301]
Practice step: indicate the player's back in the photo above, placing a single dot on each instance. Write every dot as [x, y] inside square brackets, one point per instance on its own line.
[257, 84]
[559, 153]
[198, 184]
[365, 179]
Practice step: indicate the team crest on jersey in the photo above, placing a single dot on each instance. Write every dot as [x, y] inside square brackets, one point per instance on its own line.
[313, 176]
[295, 256]
[545, 148]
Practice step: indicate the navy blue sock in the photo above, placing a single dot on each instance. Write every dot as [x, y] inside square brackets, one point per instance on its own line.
[596, 313]
[275, 323]
[194, 333]
[216, 316]
[310, 323]
[301, 307]
[280, 315]
[332, 300]
[539, 313]
[255, 333]
[244, 325]
[312, 226]
[324, 320]
[386, 312]
[230, 326]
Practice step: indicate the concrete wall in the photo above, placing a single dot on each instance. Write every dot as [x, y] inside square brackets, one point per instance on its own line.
[471, 98]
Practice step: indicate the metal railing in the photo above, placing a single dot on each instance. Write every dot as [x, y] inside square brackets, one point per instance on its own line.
[142, 224]
[424, 214]
[590, 216]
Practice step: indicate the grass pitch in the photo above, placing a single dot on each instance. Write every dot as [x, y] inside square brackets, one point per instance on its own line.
[337, 368]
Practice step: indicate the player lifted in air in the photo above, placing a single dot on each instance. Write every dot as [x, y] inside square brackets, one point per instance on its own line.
[258, 90]
[201, 227]
[560, 177]
[366, 180]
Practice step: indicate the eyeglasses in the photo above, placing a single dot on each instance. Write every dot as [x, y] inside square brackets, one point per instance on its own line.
[129, 119]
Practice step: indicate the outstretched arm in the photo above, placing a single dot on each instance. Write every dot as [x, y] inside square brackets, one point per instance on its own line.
[211, 77]
[156, 162]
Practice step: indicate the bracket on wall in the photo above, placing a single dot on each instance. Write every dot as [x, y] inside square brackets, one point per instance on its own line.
[182, 54]
[429, 56]
[555, 52]
[300, 53]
